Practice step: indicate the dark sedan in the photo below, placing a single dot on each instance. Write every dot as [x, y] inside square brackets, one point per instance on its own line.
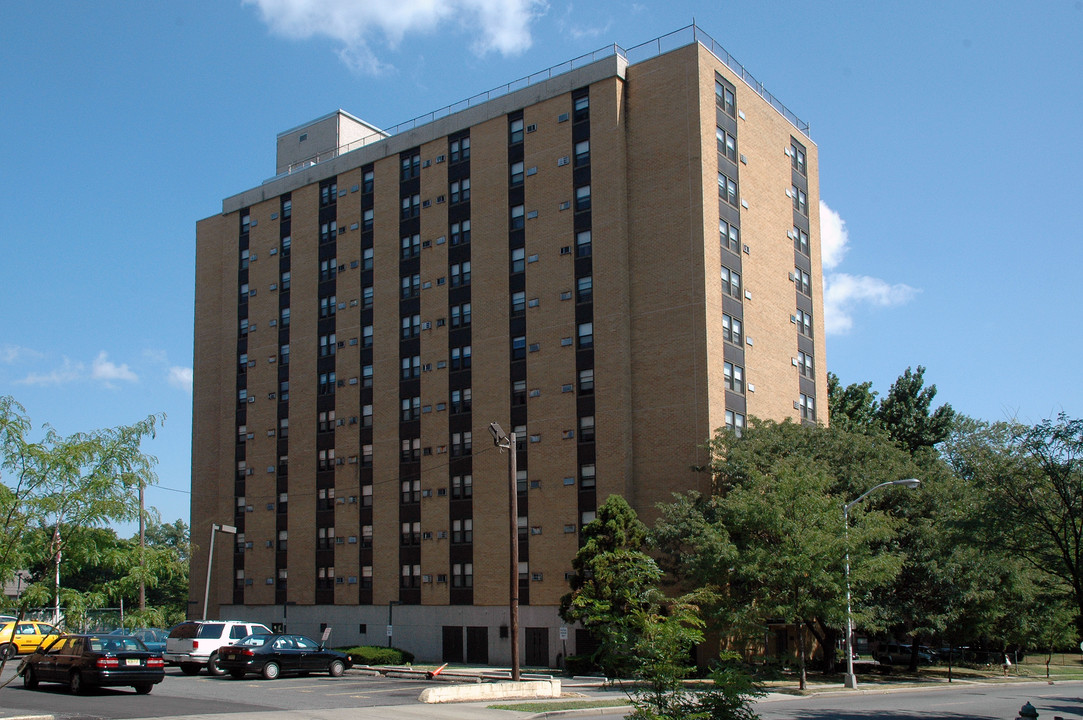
[85, 661]
[271, 655]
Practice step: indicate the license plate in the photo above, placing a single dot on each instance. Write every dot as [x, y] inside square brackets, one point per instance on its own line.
[132, 661]
[231, 657]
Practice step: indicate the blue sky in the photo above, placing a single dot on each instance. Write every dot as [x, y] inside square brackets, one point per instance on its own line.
[948, 135]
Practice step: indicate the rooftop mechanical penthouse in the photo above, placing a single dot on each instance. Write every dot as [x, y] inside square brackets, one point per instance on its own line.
[612, 259]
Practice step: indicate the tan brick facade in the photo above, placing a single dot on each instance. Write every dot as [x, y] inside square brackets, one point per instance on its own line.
[648, 287]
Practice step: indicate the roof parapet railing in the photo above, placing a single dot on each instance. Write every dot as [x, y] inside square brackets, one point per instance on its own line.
[635, 54]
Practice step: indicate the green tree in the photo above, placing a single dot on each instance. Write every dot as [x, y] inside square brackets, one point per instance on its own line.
[905, 412]
[775, 519]
[853, 408]
[1028, 499]
[84, 480]
[613, 585]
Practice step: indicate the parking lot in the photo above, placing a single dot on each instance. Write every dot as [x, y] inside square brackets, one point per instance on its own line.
[179, 694]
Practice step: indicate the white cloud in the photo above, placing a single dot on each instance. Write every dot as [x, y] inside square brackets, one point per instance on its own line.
[68, 372]
[107, 371]
[180, 377]
[101, 370]
[12, 354]
[497, 25]
[834, 237]
[844, 293]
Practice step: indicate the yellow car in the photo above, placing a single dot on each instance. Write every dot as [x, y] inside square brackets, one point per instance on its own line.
[24, 637]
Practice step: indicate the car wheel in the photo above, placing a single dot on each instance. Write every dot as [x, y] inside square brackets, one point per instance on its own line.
[236, 674]
[144, 688]
[190, 668]
[270, 671]
[30, 678]
[336, 668]
[8, 651]
[212, 666]
[75, 683]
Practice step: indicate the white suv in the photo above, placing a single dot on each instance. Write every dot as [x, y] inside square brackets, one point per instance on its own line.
[194, 644]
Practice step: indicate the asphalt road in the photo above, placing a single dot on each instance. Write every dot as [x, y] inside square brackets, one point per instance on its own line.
[179, 694]
[969, 702]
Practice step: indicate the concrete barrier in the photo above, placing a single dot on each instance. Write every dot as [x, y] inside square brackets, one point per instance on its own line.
[492, 691]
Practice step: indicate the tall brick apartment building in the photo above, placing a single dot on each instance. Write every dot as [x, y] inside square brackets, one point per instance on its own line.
[612, 262]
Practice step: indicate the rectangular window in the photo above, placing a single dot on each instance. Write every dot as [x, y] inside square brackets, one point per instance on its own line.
[518, 217]
[734, 376]
[804, 322]
[729, 236]
[367, 181]
[516, 174]
[586, 475]
[518, 304]
[515, 132]
[727, 144]
[581, 108]
[460, 232]
[462, 486]
[800, 240]
[327, 384]
[725, 99]
[459, 149]
[582, 243]
[461, 444]
[411, 326]
[582, 153]
[328, 269]
[586, 335]
[518, 347]
[586, 428]
[518, 260]
[731, 329]
[804, 364]
[411, 246]
[460, 358]
[731, 282]
[584, 289]
[411, 286]
[287, 209]
[460, 400]
[808, 407]
[797, 157]
[328, 343]
[460, 315]
[800, 200]
[462, 575]
[460, 274]
[328, 307]
[802, 280]
[586, 381]
[735, 422]
[582, 198]
[727, 189]
[411, 166]
[459, 190]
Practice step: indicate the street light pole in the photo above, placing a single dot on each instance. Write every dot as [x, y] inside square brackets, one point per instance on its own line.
[507, 442]
[229, 529]
[851, 679]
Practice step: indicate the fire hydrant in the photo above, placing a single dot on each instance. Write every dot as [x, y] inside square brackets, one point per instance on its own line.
[1027, 712]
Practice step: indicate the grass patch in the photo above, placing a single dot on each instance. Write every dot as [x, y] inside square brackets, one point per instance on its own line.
[539, 707]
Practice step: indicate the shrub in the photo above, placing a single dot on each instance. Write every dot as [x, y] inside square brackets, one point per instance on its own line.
[373, 655]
